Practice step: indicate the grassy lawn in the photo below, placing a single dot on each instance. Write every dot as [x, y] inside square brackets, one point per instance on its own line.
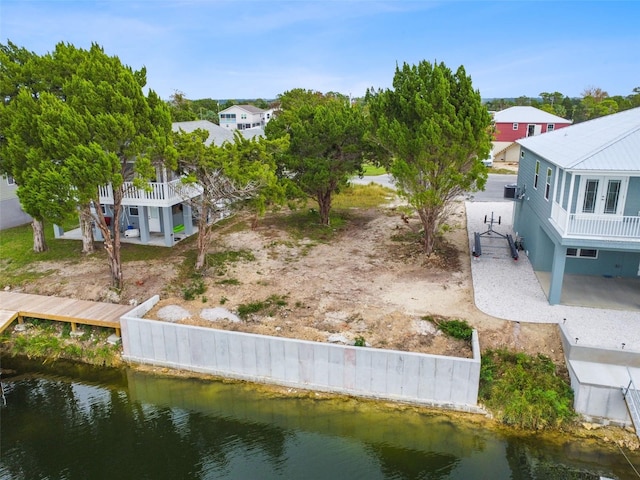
[372, 171]
[17, 258]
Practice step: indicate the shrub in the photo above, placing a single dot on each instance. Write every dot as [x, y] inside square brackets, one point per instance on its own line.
[459, 329]
[360, 341]
[269, 306]
[525, 391]
[197, 287]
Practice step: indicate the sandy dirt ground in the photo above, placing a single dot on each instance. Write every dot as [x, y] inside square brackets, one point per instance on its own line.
[370, 282]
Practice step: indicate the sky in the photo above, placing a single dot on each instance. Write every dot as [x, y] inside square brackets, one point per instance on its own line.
[248, 49]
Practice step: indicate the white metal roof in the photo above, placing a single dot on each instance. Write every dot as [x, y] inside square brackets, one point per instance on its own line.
[609, 143]
[217, 134]
[246, 108]
[527, 115]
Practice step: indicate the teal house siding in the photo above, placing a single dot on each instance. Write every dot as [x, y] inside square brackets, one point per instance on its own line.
[568, 229]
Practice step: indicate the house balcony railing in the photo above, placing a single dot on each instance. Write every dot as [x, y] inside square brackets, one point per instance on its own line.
[159, 194]
[612, 227]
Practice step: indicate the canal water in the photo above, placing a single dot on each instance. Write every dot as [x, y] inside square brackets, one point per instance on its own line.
[70, 421]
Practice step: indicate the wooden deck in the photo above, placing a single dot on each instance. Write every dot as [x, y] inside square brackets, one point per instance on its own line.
[19, 305]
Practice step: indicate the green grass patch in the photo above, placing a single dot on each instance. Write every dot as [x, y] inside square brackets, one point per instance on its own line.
[219, 262]
[304, 224]
[371, 170]
[18, 261]
[268, 306]
[49, 341]
[362, 196]
[502, 171]
[17, 256]
[525, 391]
[193, 289]
[455, 328]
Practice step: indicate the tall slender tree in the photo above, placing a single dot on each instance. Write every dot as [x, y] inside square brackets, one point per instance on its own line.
[437, 131]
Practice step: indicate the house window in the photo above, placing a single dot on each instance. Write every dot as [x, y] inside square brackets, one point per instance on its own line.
[133, 211]
[547, 187]
[531, 130]
[537, 175]
[521, 153]
[582, 252]
[515, 126]
[550, 127]
[611, 199]
[590, 196]
[243, 116]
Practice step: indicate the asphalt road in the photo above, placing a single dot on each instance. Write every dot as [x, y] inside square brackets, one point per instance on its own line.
[493, 192]
[494, 189]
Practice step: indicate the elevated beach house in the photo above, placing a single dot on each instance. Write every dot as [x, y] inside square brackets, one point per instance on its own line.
[577, 204]
[160, 214]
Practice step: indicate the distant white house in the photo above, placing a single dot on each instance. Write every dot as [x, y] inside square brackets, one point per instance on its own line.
[243, 117]
[217, 134]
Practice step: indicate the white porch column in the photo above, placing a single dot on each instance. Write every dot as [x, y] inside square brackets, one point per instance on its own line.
[557, 274]
[167, 226]
[143, 224]
[187, 221]
[569, 203]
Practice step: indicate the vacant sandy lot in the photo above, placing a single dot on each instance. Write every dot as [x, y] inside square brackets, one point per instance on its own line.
[370, 281]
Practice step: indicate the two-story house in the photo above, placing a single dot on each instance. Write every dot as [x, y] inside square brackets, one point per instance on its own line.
[11, 213]
[515, 123]
[242, 117]
[578, 199]
[161, 214]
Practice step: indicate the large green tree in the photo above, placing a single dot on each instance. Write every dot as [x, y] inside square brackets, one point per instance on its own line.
[91, 127]
[25, 88]
[234, 175]
[327, 143]
[437, 130]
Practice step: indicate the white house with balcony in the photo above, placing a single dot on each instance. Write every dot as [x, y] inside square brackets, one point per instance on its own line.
[243, 117]
[577, 205]
[161, 213]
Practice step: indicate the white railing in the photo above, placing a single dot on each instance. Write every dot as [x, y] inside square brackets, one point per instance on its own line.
[604, 226]
[157, 194]
[591, 225]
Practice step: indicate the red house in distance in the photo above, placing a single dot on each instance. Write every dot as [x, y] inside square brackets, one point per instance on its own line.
[515, 123]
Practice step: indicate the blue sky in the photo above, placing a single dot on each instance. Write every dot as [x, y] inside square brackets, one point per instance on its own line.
[262, 48]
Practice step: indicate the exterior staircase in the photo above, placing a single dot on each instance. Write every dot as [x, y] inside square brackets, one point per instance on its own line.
[632, 397]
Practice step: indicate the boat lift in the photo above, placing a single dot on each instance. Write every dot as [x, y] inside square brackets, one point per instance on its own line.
[477, 244]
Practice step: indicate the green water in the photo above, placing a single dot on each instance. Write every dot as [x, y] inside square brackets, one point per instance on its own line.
[74, 422]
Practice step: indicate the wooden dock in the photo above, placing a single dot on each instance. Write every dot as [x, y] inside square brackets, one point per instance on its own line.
[19, 305]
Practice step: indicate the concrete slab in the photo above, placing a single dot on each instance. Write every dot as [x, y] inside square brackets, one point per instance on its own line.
[596, 292]
[604, 374]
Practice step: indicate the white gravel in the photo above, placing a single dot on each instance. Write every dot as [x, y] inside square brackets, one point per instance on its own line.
[173, 313]
[218, 313]
[510, 290]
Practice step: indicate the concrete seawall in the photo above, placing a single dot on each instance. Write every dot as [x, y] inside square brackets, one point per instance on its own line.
[449, 382]
[598, 377]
